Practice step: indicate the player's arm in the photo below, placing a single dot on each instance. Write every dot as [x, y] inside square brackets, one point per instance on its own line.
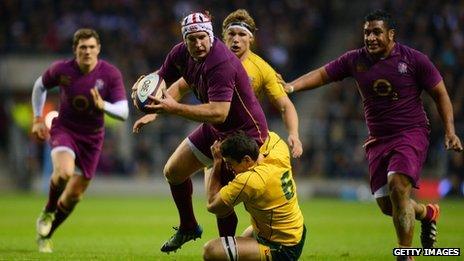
[212, 112]
[39, 95]
[118, 110]
[309, 81]
[215, 204]
[290, 119]
[445, 109]
[177, 90]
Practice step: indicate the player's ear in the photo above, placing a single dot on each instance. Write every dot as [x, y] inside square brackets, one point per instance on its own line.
[391, 34]
[248, 160]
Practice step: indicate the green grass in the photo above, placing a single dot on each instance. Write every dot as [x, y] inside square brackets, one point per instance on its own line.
[134, 228]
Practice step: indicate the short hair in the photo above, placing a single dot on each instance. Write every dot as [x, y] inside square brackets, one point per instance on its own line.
[239, 16]
[238, 145]
[84, 33]
[381, 15]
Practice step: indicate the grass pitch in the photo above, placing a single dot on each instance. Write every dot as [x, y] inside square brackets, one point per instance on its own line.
[134, 228]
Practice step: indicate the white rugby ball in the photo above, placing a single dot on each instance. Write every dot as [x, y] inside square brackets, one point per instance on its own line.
[151, 84]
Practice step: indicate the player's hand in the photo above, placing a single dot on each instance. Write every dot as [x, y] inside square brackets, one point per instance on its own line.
[134, 90]
[452, 142]
[289, 88]
[39, 129]
[97, 99]
[143, 121]
[280, 79]
[164, 104]
[216, 150]
[295, 145]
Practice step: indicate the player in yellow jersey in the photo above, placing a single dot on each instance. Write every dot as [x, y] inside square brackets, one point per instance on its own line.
[238, 33]
[265, 185]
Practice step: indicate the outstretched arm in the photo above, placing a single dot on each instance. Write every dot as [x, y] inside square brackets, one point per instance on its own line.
[309, 81]
[290, 119]
[445, 109]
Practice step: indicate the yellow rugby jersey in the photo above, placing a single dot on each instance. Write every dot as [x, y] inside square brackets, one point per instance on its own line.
[263, 78]
[269, 194]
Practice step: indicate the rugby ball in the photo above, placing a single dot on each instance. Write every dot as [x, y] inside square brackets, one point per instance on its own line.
[151, 84]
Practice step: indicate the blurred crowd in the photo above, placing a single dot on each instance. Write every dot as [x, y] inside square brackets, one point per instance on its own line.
[137, 34]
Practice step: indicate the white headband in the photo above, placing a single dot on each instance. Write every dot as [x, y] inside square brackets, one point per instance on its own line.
[240, 25]
[197, 22]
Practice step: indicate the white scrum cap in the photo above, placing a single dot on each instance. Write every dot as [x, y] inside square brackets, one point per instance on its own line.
[197, 22]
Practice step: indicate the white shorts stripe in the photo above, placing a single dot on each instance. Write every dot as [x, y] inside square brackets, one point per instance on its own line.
[199, 155]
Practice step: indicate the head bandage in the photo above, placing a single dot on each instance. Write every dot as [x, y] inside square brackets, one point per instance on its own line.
[240, 25]
[197, 22]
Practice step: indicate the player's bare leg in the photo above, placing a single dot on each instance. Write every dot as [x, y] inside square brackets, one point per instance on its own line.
[180, 166]
[71, 196]
[63, 169]
[402, 210]
[238, 248]
[427, 214]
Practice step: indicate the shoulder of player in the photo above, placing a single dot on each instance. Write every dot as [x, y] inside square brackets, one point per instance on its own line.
[252, 178]
[220, 54]
[179, 51]
[410, 53]
[107, 66]
[62, 63]
[355, 53]
[259, 63]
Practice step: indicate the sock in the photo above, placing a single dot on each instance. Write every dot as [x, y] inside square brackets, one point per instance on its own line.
[429, 213]
[54, 194]
[182, 195]
[61, 214]
[227, 225]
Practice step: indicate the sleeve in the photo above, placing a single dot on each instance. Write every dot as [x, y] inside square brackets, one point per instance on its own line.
[170, 70]
[119, 109]
[39, 95]
[117, 91]
[238, 190]
[274, 90]
[221, 83]
[340, 68]
[50, 78]
[427, 75]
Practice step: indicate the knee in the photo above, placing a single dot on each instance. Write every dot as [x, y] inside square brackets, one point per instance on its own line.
[400, 187]
[172, 175]
[398, 191]
[63, 172]
[168, 173]
[210, 251]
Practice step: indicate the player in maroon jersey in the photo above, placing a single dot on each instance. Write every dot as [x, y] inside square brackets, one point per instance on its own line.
[89, 87]
[390, 77]
[204, 65]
